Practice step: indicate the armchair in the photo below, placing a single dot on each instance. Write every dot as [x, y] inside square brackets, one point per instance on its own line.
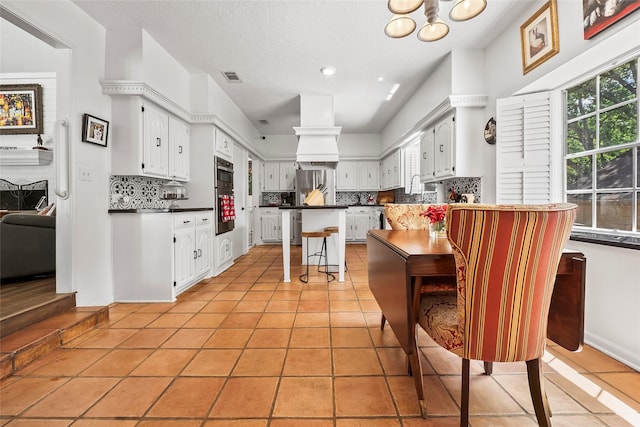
[506, 262]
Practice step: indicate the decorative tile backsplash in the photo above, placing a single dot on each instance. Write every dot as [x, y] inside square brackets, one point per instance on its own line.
[425, 197]
[464, 186]
[135, 192]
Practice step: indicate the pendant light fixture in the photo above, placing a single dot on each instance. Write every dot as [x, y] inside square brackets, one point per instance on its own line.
[401, 24]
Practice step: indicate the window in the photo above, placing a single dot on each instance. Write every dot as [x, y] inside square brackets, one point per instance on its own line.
[412, 183]
[601, 161]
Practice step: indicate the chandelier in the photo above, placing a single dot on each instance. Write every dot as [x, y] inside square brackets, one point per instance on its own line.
[401, 24]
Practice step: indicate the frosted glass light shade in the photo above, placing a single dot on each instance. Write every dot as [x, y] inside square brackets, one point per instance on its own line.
[400, 26]
[402, 7]
[434, 31]
[467, 9]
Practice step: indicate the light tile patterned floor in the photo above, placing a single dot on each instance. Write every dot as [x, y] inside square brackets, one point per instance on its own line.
[246, 350]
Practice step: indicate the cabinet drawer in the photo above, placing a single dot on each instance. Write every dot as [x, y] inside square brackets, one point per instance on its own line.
[203, 219]
[183, 221]
[269, 211]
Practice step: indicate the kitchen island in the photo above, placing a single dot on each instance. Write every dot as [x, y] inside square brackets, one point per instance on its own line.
[316, 218]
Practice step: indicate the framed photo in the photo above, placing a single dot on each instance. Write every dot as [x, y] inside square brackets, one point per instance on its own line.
[21, 109]
[95, 130]
[539, 37]
[599, 15]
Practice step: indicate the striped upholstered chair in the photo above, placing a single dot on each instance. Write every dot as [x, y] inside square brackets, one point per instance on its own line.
[407, 217]
[506, 261]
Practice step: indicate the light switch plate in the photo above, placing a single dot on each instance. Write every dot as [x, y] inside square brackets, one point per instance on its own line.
[85, 174]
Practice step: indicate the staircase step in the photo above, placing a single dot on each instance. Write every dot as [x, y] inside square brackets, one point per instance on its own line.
[20, 348]
[19, 320]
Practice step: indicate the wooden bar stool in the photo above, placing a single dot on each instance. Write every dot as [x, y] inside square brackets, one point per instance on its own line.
[331, 230]
[322, 254]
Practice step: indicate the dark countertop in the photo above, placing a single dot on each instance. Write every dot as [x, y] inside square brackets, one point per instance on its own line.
[159, 210]
[314, 207]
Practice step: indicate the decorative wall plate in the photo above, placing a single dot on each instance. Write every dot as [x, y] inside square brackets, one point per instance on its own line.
[490, 131]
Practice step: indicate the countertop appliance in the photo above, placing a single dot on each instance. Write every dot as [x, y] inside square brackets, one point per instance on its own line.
[225, 204]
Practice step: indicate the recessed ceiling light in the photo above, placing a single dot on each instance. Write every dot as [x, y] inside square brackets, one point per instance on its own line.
[328, 71]
[380, 79]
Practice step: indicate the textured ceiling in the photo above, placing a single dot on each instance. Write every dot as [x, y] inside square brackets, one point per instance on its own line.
[278, 47]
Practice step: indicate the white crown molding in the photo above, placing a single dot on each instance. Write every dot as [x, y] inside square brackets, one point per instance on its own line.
[25, 157]
[131, 88]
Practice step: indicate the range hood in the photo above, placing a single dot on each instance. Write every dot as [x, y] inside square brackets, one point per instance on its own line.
[317, 135]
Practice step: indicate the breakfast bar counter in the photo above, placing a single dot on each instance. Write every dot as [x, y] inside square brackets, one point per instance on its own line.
[316, 218]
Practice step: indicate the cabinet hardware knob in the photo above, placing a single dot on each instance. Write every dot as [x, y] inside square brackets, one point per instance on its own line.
[186, 222]
[158, 142]
[195, 254]
[179, 149]
[424, 155]
[441, 148]
[199, 253]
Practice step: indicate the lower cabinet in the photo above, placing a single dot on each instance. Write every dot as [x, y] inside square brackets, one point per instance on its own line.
[225, 250]
[169, 254]
[271, 225]
[359, 220]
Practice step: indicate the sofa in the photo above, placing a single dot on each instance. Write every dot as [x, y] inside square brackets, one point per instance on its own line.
[27, 245]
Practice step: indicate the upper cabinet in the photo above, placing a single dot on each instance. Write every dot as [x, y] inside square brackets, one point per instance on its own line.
[391, 171]
[224, 145]
[452, 145]
[279, 176]
[148, 141]
[358, 176]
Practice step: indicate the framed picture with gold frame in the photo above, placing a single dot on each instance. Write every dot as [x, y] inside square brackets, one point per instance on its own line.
[21, 109]
[539, 37]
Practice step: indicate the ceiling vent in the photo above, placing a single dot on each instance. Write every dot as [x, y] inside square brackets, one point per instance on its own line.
[263, 122]
[231, 77]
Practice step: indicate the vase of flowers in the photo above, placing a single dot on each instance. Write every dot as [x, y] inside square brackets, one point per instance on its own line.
[437, 224]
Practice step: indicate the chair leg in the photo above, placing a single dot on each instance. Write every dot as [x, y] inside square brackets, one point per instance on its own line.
[416, 371]
[538, 394]
[306, 275]
[488, 368]
[383, 320]
[464, 403]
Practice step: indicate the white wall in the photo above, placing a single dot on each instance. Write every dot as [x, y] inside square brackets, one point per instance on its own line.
[83, 227]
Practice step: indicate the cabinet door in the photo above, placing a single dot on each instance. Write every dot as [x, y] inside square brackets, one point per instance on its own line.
[350, 225]
[270, 228]
[396, 169]
[155, 143]
[271, 176]
[427, 171]
[368, 175]
[287, 176]
[204, 241]
[224, 145]
[361, 225]
[384, 180]
[443, 141]
[178, 149]
[225, 250]
[347, 176]
[185, 256]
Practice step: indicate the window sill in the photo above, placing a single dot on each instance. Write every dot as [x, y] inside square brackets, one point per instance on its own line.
[627, 242]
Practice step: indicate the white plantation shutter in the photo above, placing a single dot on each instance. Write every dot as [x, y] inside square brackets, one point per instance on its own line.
[412, 169]
[523, 143]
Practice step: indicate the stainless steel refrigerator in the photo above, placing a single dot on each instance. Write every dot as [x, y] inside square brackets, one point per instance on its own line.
[307, 180]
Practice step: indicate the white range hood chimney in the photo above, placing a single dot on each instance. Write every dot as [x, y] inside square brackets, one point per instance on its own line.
[317, 135]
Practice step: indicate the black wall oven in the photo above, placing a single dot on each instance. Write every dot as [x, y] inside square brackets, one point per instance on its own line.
[225, 203]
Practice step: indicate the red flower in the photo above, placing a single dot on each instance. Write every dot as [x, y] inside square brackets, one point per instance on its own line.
[435, 213]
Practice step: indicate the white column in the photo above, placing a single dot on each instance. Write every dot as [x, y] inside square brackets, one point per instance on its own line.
[286, 243]
[342, 234]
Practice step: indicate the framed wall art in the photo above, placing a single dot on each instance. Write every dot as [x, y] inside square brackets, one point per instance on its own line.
[21, 109]
[95, 130]
[597, 15]
[539, 37]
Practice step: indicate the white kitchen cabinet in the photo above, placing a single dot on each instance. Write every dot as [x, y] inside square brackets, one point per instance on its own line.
[178, 149]
[270, 220]
[225, 250]
[223, 145]
[279, 176]
[368, 176]
[358, 176]
[169, 254]
[427, 164]
[391, 170]
[271, 176]
[147, 140]
[287, 174]
[347, 176]
[358, 223]
[444, 137]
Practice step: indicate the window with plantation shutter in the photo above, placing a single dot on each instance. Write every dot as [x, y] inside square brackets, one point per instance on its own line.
[523, 144]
